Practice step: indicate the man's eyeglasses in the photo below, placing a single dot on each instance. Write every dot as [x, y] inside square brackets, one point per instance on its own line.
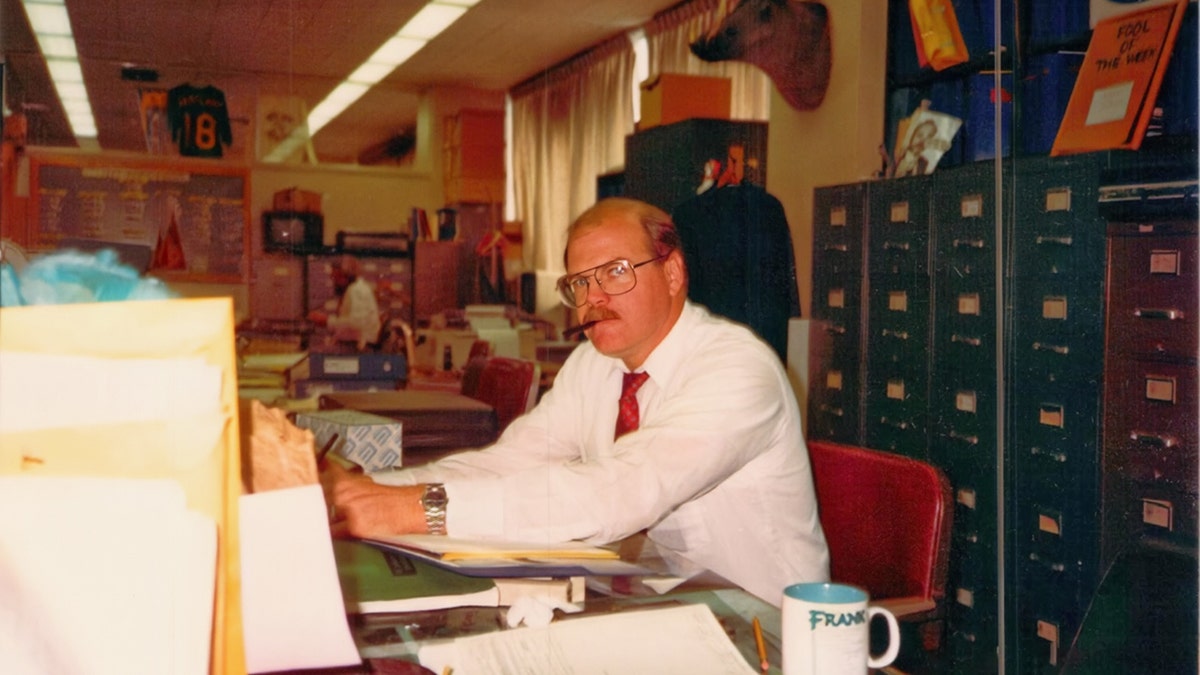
[614, 278]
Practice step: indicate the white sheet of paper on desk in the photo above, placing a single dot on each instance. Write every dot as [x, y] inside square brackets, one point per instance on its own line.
[686, 639]
[292, 608]
[47, 391]
[104, 575]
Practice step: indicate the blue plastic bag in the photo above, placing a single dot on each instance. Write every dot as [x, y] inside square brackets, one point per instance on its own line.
[70, 276]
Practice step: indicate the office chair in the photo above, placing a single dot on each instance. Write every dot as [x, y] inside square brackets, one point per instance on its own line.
[508, 385]
[887, 521]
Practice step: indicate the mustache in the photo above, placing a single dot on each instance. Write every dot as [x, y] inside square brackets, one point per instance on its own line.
[589, 320]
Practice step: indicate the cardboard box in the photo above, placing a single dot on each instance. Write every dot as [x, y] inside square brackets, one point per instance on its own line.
[350, 367]
[297, 200]
[670, 98]
[371, 441]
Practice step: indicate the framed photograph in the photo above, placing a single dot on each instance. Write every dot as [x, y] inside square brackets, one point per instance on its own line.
[924, 138]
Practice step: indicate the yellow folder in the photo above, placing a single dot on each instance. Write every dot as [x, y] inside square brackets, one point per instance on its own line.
[200, 448]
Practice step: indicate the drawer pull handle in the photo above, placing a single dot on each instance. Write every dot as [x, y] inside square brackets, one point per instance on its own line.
[969, 243]
[899, 246]
[1056, 456]
[1157, 440]
[1065, 241]
[832, 328]
[837, 247]
[971, 341]
[970, 439]
[1157, 313]
[899, 334]
[1057, 349]
[1052, 566]
[837, 412]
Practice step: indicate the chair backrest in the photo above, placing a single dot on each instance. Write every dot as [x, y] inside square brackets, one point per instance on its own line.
[480, 348]
[510, 386]
[471, 375]
[886, 518]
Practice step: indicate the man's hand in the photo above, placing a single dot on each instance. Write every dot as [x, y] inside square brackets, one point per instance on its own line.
[360, 507]
[318, 317]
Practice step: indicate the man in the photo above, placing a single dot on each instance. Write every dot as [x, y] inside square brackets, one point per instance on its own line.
[357, 319]
[716, 470]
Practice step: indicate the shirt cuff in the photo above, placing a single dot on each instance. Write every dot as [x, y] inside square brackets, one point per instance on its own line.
[474, 509]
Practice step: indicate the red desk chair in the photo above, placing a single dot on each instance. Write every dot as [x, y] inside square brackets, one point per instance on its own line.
[508, 385]
[887, 521]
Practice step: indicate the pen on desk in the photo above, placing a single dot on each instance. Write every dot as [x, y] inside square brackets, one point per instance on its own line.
[762, 647]
[325, 450]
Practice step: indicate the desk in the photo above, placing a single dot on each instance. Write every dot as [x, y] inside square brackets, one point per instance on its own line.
[433, 421]
[387, 640]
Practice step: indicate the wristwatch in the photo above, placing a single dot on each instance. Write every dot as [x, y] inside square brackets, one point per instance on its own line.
[434, 502]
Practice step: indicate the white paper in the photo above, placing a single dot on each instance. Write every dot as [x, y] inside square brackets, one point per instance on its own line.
[1109, 103]
[104, 575]
[686, 639]
[50, 391]
[292, 608]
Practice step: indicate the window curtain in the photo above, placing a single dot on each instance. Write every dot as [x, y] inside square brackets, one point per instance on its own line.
[669, 35]
[568, 127]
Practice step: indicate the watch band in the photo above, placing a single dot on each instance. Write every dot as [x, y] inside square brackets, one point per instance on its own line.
[434, 501]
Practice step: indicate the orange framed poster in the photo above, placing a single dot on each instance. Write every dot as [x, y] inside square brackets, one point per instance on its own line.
[1119, 80]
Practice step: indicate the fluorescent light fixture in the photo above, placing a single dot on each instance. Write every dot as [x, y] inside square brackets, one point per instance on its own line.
[397, 50]
[431, 20]
[370, 73]
[52, 26]
[426, 24]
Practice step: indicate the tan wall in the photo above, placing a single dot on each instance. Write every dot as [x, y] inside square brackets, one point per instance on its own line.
[838, 142]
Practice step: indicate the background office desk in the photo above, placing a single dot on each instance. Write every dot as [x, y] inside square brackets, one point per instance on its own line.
[434, 422]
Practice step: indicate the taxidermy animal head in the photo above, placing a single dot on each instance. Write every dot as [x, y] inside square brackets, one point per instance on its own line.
[786, 39]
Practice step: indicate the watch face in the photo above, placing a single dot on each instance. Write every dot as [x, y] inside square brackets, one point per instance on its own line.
[435, 495]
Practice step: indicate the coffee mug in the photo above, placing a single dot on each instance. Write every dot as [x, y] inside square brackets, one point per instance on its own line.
[826, 631]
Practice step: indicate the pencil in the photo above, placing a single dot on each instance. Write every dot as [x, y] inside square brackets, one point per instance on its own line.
[762, 647]
[325, 450]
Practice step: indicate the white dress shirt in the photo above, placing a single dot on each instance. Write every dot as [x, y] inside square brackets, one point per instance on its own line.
[357, 319]
[717, 472]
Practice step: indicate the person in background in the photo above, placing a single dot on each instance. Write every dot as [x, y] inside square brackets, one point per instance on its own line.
[357, 320]
[706, 455]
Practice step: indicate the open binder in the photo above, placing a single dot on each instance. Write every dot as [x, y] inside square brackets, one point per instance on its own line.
[197, 448]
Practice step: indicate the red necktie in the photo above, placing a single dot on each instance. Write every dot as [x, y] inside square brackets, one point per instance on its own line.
[627, 416]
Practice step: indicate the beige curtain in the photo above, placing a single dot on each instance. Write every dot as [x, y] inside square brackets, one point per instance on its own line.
[568, 127]
[669, 35]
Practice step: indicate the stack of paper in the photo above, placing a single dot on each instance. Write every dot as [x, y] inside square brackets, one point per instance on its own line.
[686, 639]
[494, 558]
[104, 575]
[135, 405]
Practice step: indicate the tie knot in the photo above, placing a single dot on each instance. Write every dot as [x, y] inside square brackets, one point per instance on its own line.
[633, 382]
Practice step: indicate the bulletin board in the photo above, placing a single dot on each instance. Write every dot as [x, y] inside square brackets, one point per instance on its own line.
[194, 219]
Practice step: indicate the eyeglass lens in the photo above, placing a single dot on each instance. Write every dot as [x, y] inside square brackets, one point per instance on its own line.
[614, 278]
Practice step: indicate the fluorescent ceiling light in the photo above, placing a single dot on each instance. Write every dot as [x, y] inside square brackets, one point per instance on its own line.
[52, 26]
[397, 50]
[426, 24]
[431, 20]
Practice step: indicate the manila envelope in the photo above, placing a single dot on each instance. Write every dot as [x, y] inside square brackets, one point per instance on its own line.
[199, 448]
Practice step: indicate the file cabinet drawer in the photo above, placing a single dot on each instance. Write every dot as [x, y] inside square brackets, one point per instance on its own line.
[1152, 295]
[1152, 423]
